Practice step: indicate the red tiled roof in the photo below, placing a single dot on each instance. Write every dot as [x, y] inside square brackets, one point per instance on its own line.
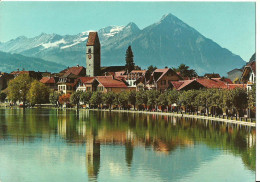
[178, 85]
[76, 70]
[92, 38]
[119, 73]
[86, 79]
[47, 80]
[211, 83]
[108, 81]
[139, 71]
[233, 86]
[226, 80]
[208, 83]
[163, 71]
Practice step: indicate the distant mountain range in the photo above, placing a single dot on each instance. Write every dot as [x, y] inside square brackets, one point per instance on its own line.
[169, 42]
[12, 62]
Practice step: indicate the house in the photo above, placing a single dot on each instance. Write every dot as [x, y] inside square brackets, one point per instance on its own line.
[67, 83]
[32, 74]
[235, 74]
[79, 71]
[186, 85]
[201, 83]
[86, 84]
[111, 83]
[134, 75]
[162, 78]
[249, 74]
[50, 82]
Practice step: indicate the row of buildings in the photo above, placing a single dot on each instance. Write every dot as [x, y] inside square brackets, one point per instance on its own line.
[118, 79]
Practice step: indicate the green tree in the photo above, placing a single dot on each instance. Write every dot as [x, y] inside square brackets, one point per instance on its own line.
[141, 98]
[2, 96]
[187, 99]
[151, 69]
[109, 98]
[18, 88]
[185, 71]
[152, 96]
[38, 93]
[129, 59]
[85, 97]
[132, 98]
[228, 101]
[252, 99]
[75, 98]
[163, 100]
[96, 99]
[54, 97]
[173, 96]
[123, 99]
[240, 100]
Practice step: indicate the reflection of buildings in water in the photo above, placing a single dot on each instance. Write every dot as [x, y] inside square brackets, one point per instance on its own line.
[167, 147]
[62, 125]
[251, 140]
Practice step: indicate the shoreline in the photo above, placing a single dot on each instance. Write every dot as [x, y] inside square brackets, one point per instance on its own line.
[228, 121]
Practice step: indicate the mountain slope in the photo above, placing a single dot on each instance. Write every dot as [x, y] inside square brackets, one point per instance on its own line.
[169, 42]
[11, 62]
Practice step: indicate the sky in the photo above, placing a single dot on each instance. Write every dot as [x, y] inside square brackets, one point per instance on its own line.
[230, 24]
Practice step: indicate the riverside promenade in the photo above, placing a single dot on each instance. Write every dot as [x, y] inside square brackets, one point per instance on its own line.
[221, 120]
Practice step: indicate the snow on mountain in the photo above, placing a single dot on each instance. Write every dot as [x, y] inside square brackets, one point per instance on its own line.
[168, 42]
[53, 44]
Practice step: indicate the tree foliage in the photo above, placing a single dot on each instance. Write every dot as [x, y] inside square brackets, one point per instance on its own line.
[64, 99]
[54, 97]
[18, 88]
[2, 96]
[185, 71]
[85, 97]
[38, 93]
[96, 99]
[123, 99]
[129, 58]
[109, 98]
[75, 98]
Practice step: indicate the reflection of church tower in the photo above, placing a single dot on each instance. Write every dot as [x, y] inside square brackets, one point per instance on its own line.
[92, 157]
[93, 55]
[129, 151]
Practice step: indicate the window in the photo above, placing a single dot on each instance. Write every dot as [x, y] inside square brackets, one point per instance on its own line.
[100, 88]
[89, 50]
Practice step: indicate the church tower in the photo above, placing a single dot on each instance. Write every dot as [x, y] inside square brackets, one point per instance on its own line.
[93, 55]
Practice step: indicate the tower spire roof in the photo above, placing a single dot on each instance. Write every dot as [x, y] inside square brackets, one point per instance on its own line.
[92, 38]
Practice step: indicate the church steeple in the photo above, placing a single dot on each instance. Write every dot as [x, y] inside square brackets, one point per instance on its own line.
[93, 55]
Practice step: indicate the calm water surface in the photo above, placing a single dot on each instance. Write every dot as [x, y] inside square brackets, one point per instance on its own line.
[65, 145]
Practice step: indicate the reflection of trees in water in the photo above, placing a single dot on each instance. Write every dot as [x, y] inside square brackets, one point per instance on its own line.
[162, 133]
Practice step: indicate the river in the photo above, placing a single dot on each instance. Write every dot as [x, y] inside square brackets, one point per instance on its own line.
[68, 145]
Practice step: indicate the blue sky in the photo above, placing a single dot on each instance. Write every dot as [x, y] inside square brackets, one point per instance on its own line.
[230, 24]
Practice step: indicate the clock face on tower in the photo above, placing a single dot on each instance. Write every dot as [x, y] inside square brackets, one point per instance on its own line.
[89, 56]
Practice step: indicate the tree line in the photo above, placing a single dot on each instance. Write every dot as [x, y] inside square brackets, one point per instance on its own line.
[209, 101]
